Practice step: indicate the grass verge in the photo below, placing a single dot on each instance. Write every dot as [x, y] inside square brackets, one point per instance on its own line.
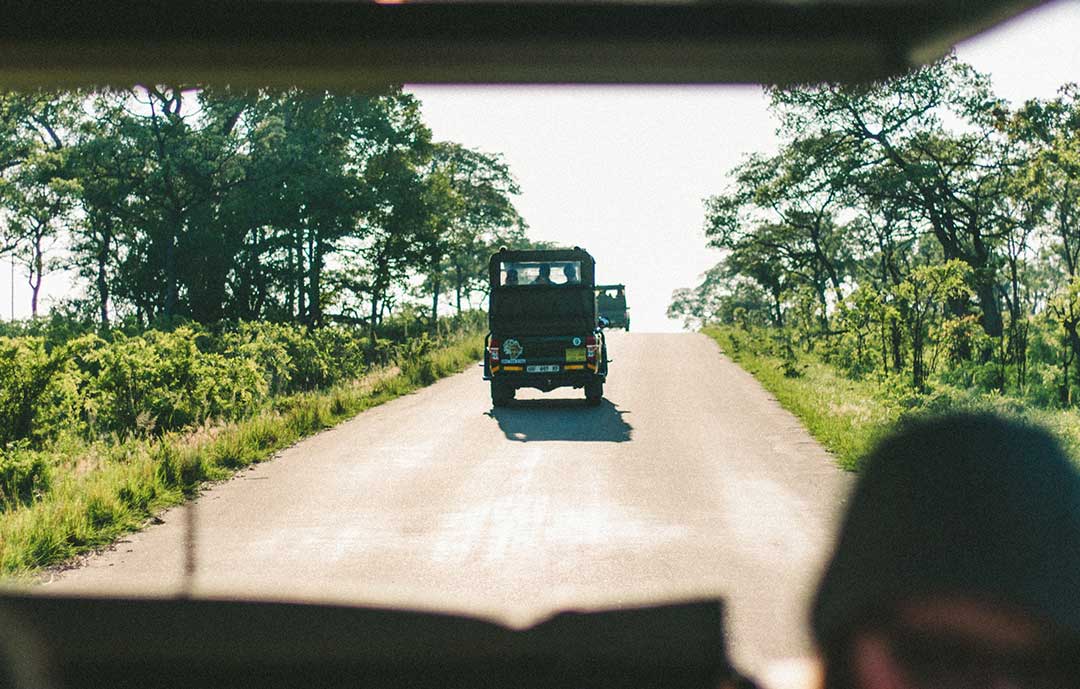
[99, 491]
[849, 416]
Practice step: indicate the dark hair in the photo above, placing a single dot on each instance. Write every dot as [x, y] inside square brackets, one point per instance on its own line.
[1004, 489]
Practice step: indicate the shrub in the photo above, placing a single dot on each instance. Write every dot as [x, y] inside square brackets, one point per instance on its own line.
[24, 476]
[160, 381]
[38, 393]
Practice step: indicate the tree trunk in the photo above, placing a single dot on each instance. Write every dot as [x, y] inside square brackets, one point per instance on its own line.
[1073, 329]
[102, 272]
[315, 250]
[991, 309]
[290, 294]
[884, 347]
[379, 277]
[1072, 348]
[823, 299]
[458, 286]
[170, 277]
[35, 286]
[917, 373]
[436, 285]
[374, 316]
[896, 341]
[298, 276]
[36, 267]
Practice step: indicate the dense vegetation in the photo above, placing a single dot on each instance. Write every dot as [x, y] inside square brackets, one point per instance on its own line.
[163, 381]
[920, 234]
[212, 205]
[848, 415]
[98, 434]
[246, 268]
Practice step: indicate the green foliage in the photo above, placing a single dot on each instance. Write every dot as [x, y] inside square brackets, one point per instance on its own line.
[300, 218]
[56, 504]
[849, 416]
[163, 381]
[309, 207]
[37, 390]
[24, 476]
[917, 228]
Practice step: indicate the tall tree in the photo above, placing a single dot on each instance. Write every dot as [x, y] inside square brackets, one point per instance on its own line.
[108, 166]
[786, 205]
[951, 180]
[35, 190]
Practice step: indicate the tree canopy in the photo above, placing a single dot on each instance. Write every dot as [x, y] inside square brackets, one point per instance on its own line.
[915, 225]
[214, 204]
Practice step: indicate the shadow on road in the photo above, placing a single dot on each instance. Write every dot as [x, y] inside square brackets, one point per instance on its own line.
[534, 420]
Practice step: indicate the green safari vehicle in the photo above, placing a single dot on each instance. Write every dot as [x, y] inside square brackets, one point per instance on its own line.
[611, 304]
[543, 328]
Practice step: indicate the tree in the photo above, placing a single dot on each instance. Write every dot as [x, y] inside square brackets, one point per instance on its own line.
[895, 130]
[919, 297]
[486, 217]
[35, 191]
[107, 166]
[1051, 131]
[1064, 309]
[211, 204]
[721, 297]
[388, 240]
[784, 206]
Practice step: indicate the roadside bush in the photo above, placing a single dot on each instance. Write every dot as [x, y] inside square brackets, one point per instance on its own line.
[266, 346]
[145, 384]
[1044, 386]
[113, 423]
[24, 476]
[37, 394]
[164, 381]
[849, 415]
[228, 387]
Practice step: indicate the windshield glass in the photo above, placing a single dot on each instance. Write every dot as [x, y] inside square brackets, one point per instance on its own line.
[251, 346]
[539, 273]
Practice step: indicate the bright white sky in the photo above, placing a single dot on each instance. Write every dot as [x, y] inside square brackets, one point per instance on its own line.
[622, 171]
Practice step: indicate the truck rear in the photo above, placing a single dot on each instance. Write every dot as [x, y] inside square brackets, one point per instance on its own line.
[543, 324]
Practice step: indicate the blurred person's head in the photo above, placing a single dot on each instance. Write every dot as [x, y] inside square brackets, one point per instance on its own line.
[957, 564]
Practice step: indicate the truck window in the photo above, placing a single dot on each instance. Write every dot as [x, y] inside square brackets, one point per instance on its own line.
[525, 273]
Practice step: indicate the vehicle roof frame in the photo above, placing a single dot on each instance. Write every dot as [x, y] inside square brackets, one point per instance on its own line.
[363, 45]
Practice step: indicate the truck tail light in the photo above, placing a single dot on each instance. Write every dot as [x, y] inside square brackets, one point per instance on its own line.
[592, 348]
[493, 349]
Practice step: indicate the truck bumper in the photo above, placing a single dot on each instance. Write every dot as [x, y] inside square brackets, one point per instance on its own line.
[546, 382]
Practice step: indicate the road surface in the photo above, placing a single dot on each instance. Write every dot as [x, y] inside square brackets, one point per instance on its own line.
[688, 481]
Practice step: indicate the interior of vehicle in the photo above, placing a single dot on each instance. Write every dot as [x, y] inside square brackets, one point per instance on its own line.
[67, 641]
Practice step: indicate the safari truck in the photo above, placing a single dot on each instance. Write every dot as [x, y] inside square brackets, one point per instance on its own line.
[543, 327]
[611, 305]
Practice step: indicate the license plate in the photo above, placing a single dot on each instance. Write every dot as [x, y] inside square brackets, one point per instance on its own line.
[577, 354]
[542, 369]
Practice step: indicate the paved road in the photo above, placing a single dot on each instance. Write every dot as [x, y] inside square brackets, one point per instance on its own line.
[689, 480]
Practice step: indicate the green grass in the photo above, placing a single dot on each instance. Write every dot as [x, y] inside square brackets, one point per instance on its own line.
[100, 491]
[848, 416]
[845, 416]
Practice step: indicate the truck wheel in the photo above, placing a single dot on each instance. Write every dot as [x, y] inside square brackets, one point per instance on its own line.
[501, 394]
[594, 393]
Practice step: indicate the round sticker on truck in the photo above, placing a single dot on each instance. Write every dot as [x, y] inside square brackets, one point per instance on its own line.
[512, 349]
[577, 341]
